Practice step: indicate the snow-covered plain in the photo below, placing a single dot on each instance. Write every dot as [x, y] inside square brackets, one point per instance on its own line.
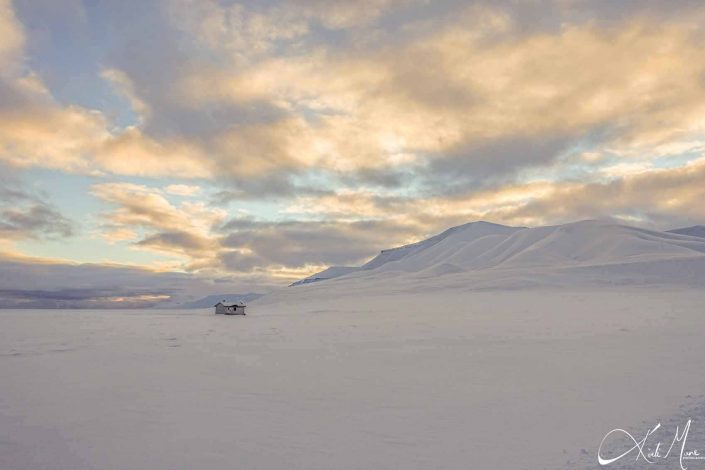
[518, 379]
[432, 359]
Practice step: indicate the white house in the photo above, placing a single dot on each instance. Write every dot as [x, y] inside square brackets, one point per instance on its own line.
[229, 309]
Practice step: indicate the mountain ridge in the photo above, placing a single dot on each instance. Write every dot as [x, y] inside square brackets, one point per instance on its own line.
[478, 246]
[694, 231]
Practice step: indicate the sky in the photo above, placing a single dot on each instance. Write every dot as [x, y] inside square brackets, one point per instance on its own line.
[157, 150]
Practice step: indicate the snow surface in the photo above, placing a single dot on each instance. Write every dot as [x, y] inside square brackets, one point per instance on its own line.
[445, 380]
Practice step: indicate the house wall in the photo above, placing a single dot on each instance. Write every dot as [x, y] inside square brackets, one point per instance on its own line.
[230, 310]
[238, 311]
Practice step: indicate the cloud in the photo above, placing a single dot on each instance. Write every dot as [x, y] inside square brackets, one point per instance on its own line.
[296, 243]
[480, 164]
[124, 85]
[36, 283]
[663, 197]
[478, 94]
[182, 189]
[648, 196]
[11, 36]
[25, 214]
[206, 242]
[81, 298]
[34, 220]
[177, 240]
[273, 187]
[182, 230]
[248, 31]
[37, 130]
[460, 93]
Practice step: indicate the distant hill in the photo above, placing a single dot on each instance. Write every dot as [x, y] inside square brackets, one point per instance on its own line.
[330, 273]
[466, 232]
[211, 300]
[482, 247]
[694, 231]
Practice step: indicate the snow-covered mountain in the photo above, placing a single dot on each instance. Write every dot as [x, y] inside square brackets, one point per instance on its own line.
[330, 273]
[481, 246]
[437, 245]
[694, 231]
[467, 232]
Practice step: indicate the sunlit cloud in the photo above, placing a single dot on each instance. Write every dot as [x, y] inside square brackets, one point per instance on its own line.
[182, 230]
[182, 189]
[12, 37]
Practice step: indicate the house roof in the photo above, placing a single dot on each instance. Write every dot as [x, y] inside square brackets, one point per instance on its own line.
[229, 305]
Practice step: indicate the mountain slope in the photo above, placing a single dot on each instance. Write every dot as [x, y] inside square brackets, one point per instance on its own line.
[461, 234]
[480, 246]
[453, 250]
[694, 231]
[330, 273]
[583, 243]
